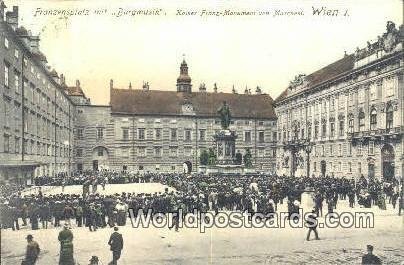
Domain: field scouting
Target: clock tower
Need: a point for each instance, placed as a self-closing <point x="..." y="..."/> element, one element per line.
<point x="184" y="81"/>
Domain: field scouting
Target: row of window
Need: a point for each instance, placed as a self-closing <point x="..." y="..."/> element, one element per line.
<point x="157" y="134"/>
<point x="361" y="123"/>
<point x="32" y="147"/>
<point x="337" y="149"/>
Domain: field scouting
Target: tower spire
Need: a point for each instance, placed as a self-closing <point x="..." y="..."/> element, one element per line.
<point x="184" y="81"/>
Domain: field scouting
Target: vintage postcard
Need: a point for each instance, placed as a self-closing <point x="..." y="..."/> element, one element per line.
<point x="201" y="132"/>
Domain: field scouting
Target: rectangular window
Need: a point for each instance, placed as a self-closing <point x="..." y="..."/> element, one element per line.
<point x="341" y="128"/>
<point x="141" y="151"/>
<point x="188" y="151"/>
<point x="274" y="137"/>
<point x="79" y="133"/>
<point x="125" y="133"/>
<point x="340" y="149"/>
<point x="157" y="133"/>
<point x="349" y="149"/>
<point x="371" y="148"/>
<point x="173" y="134"/>
<point x="350" y="167"/>
<point x="140" y="134"/>
<point x="79" y="152"/>
<point x="173" y="151"/>
<point x="359" y="149"/>
<point x="17" y="145"/>
<point x="6" y="143"/>
<point x="247" y="136"/>
<point x="16" y="81"/>
<point x="261" y="136"/>
<point x="157" y="151"/>
<point x="187" y="135"/>
<point x="332" y="129"/>
<point x="202" y="134"/>
<point x="6" y="75"/>
<point x="100" y="133"/>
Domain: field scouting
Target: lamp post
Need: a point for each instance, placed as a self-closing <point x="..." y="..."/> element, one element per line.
<point x="309" y="147"/>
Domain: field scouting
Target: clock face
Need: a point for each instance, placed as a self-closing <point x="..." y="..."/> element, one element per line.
<point x="187" y="108"/>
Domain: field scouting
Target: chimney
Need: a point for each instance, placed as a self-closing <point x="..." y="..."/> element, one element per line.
<point x="55" y="76"/>
<point x="2" y="7"/>
<point x="62" y="80"/>
<point x="130" y="85"/>
<point x="202" y="87"/>
<point x="111" y="84"/>
<point x="215" y="88"/>
<point x="12" y="17"/>
<point x="34" y="43"/>
<point x="234" y="90"/>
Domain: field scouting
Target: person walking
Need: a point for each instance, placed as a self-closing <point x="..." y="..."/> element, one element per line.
<point x="116" y="245"/>
<point x="311" y="223"/>
<point x="32" y="253"/>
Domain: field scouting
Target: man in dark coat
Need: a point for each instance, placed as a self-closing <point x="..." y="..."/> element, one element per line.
<point x="370" y="258"/>
<point x="116" y="243"/>
<point x="31" y="255"/>
<point x="311" y="223"/>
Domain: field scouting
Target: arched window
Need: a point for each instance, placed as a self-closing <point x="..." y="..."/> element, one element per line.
<point x="361" y="121"/>
<point x="389" y="116"/>
<point x="351" y="123"/>
<point x="373" y="119"/>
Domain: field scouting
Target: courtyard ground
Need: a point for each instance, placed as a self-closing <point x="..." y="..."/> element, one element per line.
<point x="223" y="245"/>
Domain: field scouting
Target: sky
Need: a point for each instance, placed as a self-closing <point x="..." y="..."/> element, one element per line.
<point x="244" y="51"/>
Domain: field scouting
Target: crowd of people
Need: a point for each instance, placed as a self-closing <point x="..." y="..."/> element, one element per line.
<point x="252" y="193"/>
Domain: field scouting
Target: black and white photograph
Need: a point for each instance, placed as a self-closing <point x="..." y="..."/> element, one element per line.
<point x="198" y="132"/>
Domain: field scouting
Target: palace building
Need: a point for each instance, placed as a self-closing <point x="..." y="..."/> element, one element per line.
<point x="36" y="114"/>
<point x="346" y="119"/>
<point x="146" y="130"/>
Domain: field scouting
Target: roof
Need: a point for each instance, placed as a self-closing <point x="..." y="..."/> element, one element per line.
<point x="158" y="102"/>
<point x="324" y="74"/>
<point x="74" y="91"/>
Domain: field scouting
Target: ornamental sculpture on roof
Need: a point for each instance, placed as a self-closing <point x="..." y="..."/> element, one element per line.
<point x="225" y="116"/>
<point x="298" y="81"/>
<point x="387" y="42"/>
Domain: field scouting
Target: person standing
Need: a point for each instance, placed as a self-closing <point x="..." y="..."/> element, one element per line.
<point x="311" y="223"/>
<point x="369" y="258"/>
<point x="32" y="253"/>
<point x="66" y="246"/>
<point x="116" y="245"/>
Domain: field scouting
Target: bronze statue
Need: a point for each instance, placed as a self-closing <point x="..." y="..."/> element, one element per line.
<point x="225" y="115"/>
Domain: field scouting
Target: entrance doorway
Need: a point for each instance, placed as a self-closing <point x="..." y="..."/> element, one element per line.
<point x="323" y="168"/>
<point x="388" y="162"/>
<point x="187" y="167"/>
<point x="95" y="165"/>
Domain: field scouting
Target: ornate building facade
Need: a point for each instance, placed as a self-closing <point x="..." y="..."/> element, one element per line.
<point x="145" y="130"/>
<point x="36" y="114"/>
<point x="346" y="119"/>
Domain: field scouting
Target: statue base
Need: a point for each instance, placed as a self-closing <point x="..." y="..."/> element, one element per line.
<point x="226" y="170"/>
